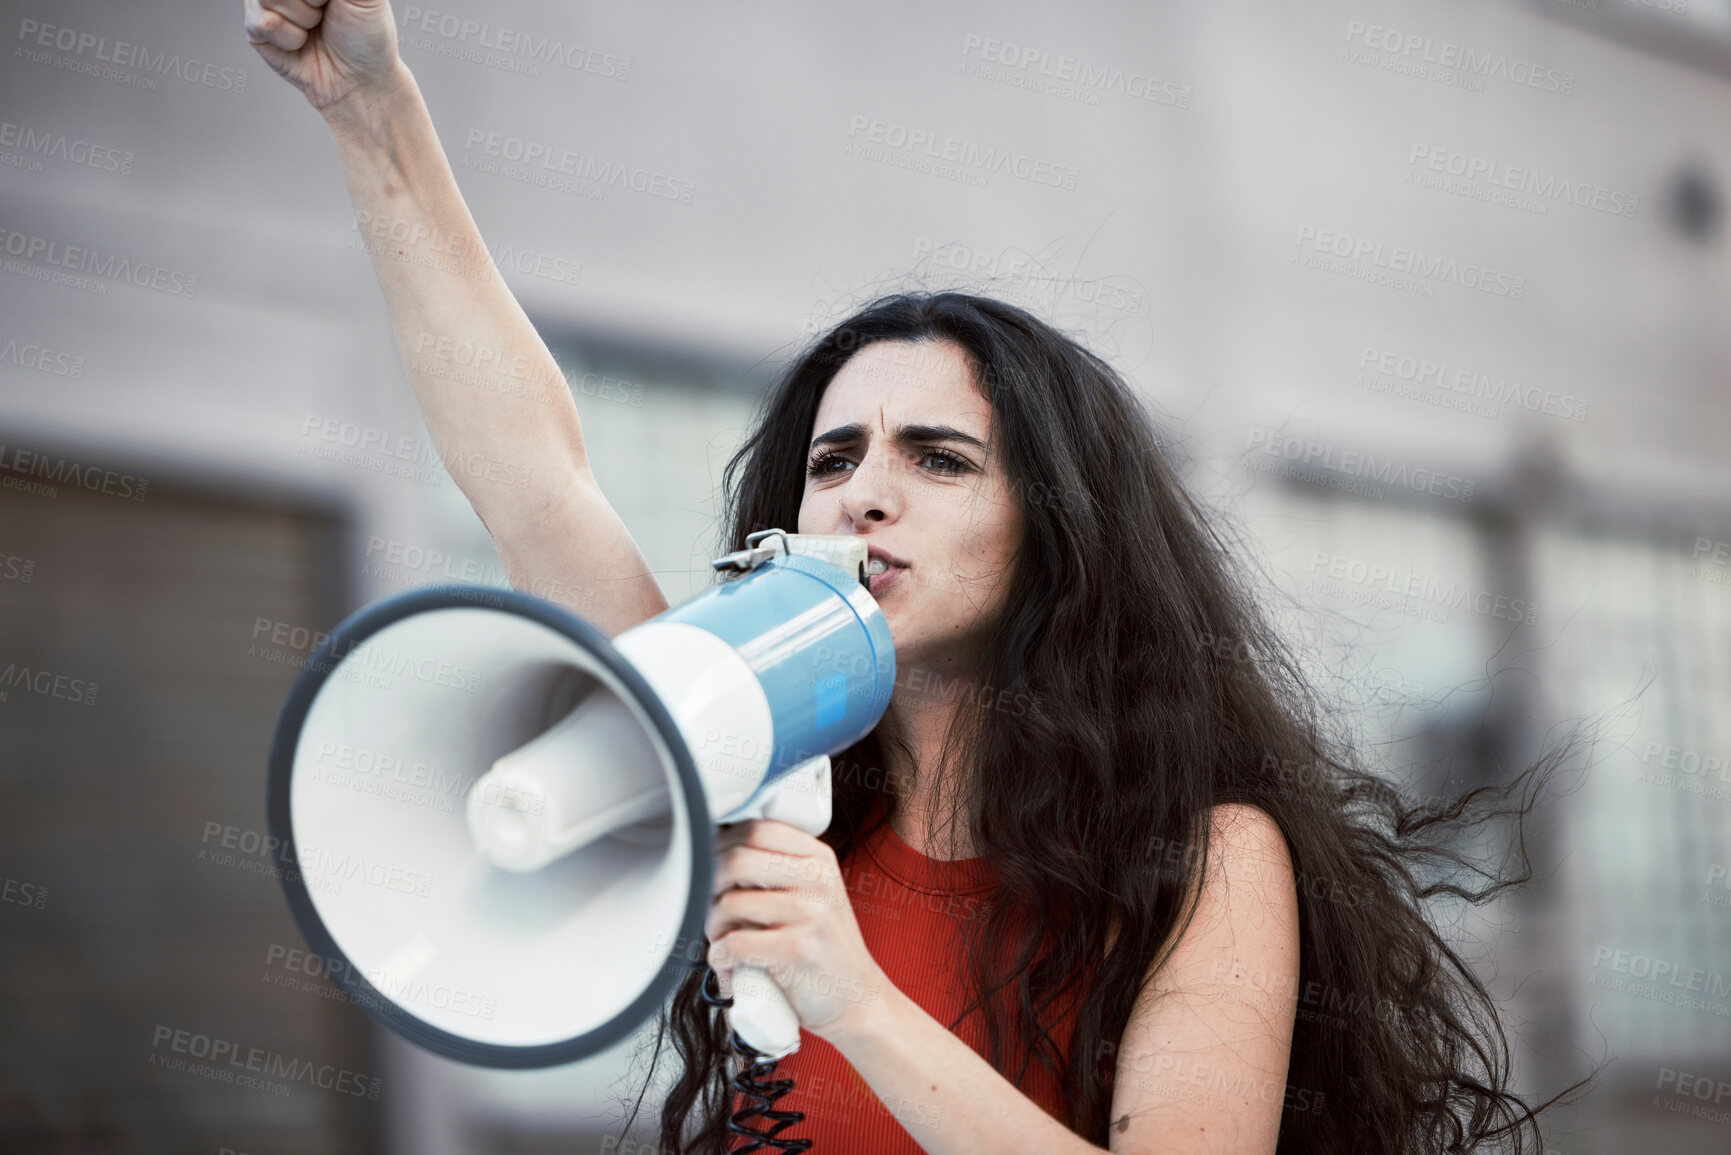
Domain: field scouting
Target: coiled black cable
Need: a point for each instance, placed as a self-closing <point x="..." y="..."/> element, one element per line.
<point x="755" y="1084"/>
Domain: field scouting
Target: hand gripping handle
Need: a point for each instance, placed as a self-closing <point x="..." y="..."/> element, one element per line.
<point x="761" y="1014"/>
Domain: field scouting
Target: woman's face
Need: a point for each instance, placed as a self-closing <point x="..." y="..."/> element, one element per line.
<point x="902" y="456"/>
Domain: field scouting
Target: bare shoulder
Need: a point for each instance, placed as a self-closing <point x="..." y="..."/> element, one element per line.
<point x="1248" y="856"/>
<point x="1244" y="830"/>
<point x="1247" y="899"/>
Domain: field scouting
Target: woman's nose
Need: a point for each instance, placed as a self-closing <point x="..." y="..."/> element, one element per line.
<point x="872" y="492"/>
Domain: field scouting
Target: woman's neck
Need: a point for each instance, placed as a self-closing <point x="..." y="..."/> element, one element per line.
<point x="910" y="825"/>
<point x="917" y="722"/>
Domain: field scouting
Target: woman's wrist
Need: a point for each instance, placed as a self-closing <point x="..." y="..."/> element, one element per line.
<point x="872" y="1021"/>
<point x="365" y="110"/>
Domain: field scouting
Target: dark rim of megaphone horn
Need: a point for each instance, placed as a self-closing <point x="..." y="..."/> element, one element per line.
<point x="343" y="640"/>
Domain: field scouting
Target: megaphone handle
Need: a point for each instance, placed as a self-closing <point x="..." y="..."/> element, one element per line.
<point x="757" y="1085"/>
<point x="761" y="1014"/>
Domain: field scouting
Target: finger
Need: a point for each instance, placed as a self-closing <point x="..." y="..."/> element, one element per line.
<point x="772" y="870"/>
<point x="263" y="27"/>
<point x="746" y="948"/>
<point x="253" y="19"/>
<point x="751" y="909"/>
<point x="766" y="833"/>
<point x="297" y="12"/>
<point x="720" y="920"/>
<point x="746" y="866"/>
<point x="769" y="909"/>
<point x="729" y="915"/>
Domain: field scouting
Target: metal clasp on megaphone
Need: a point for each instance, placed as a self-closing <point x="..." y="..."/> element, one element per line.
<point x="846" y="552"/>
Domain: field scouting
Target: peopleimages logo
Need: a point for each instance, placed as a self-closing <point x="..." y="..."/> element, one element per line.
<point x="1496" y="176"/>
<point x="1405" y="374"/>
<point x="1351" y="463"/>
<point x="347" y="867"/>
<point x="36" y="35"/>
<point x="47" y="684"/>
<point x="891" y="142"/>
<point x="399" y="455"/>
<point x="23" y="893"/>
<point x="362" y="661"/>
<point x="1404" y="584"/>
<point x="420" y="244"/>
<point x="1018" y="269"/>
<point x="18" y="464"/>
<point x="542" y="163"/>
<point x="41" y="359"/>
<point x="109" y="267"/>
<point x="1070" y="77"/>
<point x="1468" y="67"/>
<point x="344" y="976"/>
<point x="33" y="145"/>
<point x="229" y="1060"/>
<point x="1365" y="259"/>
<point x="468" y="37"/>
<point x="1672" y="973"/>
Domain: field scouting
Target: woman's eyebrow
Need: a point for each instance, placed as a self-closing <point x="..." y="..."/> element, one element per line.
<point x="904" y="435"/>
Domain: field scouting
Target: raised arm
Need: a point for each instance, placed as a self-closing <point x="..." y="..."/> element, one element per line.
<point x="493" y="398"/>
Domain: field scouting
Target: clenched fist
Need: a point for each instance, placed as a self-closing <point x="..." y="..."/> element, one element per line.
<point x="326" y="48"/>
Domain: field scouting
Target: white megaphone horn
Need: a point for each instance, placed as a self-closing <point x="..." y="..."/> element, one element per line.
<point x="500" y="826"/>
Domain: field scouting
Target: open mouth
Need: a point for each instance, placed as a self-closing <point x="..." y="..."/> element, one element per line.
<point x="882" y="571"/>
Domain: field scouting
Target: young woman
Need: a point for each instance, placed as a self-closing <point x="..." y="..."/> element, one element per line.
<point x="1100" y="879"/>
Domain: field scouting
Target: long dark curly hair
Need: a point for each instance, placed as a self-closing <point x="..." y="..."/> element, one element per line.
<point x="1149" y="677"/>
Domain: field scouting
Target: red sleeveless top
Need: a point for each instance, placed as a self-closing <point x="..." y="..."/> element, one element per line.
<point x="912" y="912"/>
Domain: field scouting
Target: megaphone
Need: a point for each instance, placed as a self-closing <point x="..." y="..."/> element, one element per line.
<point x="500" y="825"/>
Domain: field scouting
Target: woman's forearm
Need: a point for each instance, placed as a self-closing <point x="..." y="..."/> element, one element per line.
<point x="950" y="1099"/>
<point x="492" y="395"/>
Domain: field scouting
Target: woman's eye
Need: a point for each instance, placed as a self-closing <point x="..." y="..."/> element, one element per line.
<point x="821" y="464"/>
<point x="938" y="460"/>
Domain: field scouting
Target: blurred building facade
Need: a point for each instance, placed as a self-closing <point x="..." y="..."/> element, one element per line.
<point x="1429" y="299"/>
